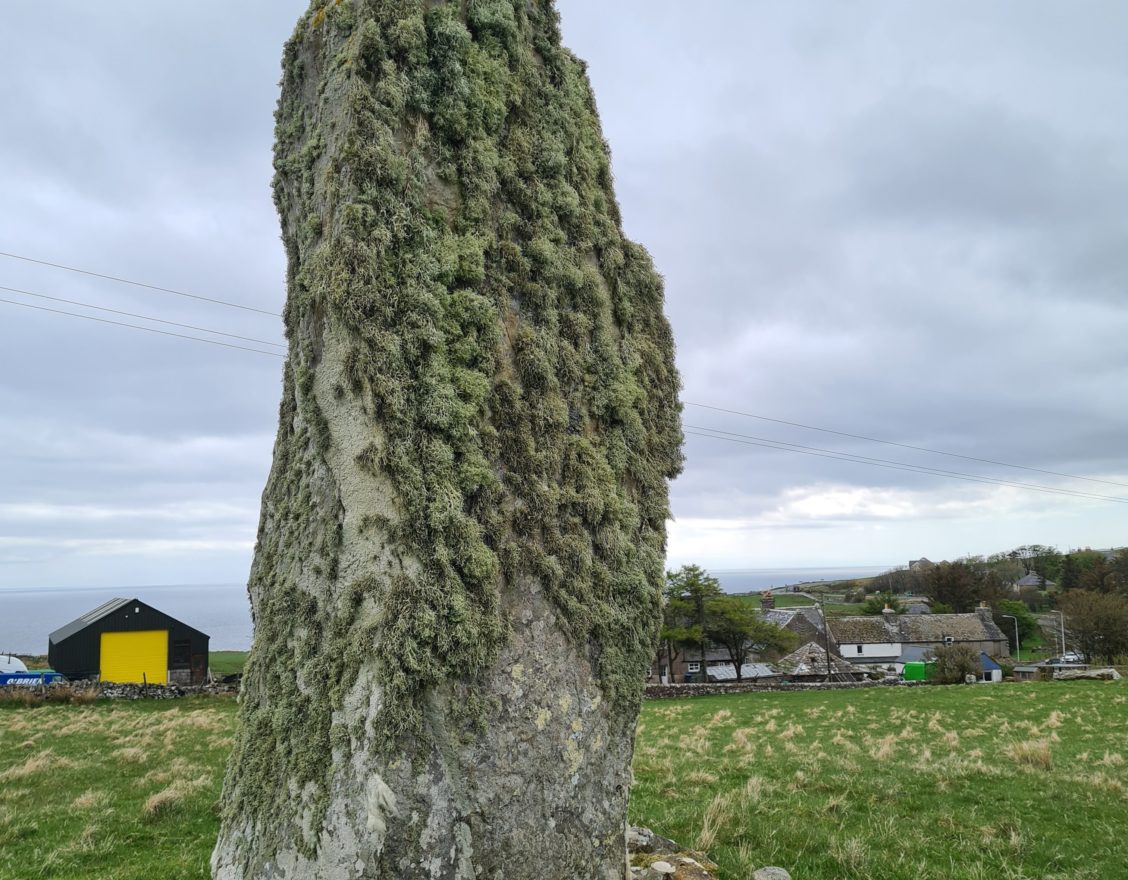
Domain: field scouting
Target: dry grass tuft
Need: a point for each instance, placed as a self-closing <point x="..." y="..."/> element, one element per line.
<point x="851" y="853"/>
<point x="164" y="801"/>
<point x="717" y="816"/>
<point x="884" y="748"/>
<point x="1031" y="753"/>
<point x="700" y="777"/>
<point x="90" y="799"/>
<point x="40" y="763"/>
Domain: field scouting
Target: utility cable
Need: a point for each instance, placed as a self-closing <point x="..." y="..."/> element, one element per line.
<point x="899" y="466"/>
<point x="903" y="445"/>
<point x="138" y="327"/>
<point x="74" y="302"/>
<point x="219" y="302"/>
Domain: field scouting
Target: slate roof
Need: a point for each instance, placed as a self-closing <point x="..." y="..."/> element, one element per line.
<point x="786" y="617"/>
<point x="1033" y="580"/>
<point x="916" y="628"/>
<point x="811" y="660"/>
<point x="915" y="653"/>
<point x="869" y="630"/>
<point x="974" y="627"/>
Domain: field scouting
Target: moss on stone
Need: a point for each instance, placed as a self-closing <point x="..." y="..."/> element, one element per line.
<point x="446" y="200"/>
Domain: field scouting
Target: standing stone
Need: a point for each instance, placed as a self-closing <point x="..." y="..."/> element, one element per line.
<point x="457" y="577"/>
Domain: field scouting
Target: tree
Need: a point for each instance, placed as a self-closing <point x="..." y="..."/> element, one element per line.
<point x="963" y="585"/>
<point x="1039" y="559"/>
<point x="1070" y="574"/>
<point x="680" y="628"/>
<point x="1120" y="570"/>
<point x="693" y="584"/>
<point x="735" y="625"/>
<point x="954" y="663"/>
<point x="1097" y="624"/>
<point x="458" y="571"/>
<point x="877" y="604"/>
<point x="1099" y="577"/>
<point x="1027" y="623"/>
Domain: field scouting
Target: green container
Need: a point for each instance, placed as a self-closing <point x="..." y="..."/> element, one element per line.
<point x="915" y="672"/>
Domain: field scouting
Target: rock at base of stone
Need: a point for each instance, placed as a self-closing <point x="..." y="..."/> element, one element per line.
<point x="771" y="873"/>
<point x="654" y="857"/>
<point x="643" y="840"/>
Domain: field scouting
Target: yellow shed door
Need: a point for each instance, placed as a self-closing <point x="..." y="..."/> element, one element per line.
<point x="135" y="656"/>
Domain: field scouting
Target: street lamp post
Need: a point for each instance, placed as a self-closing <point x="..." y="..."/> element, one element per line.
<point x="1017" y="649"/>
<point x="1061" y="617"/>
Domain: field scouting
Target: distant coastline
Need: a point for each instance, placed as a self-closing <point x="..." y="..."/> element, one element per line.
<point x="29" y="615"/>
<point x="756" y="580"/>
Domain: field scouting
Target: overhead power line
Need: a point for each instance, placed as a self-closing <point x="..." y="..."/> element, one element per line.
<point x="889" y="465"/>
<point x="139" y="327"/>
<point x="169" y="290"/>
<point x="1005" y="464"/>
<point x="74" y="302"/>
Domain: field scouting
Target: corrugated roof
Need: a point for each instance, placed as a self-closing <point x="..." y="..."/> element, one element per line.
<point x="65" y="632"/>
<point x="726" y="672"/>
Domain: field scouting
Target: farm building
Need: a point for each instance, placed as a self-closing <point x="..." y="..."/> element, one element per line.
<point x="891" y="640"/>
<point x="125" y="640"/>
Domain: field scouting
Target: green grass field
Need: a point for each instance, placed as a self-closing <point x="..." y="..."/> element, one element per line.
<point x="1004" y="782"/>
<point x="962" y="783"/>
<point x="782" y="600"/>
<point x="115" y="791"/>
<point x="227" y="662"/>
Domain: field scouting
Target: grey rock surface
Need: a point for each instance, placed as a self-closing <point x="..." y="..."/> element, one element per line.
<point x="457" y="581"/>
<point x="771" y="873"/>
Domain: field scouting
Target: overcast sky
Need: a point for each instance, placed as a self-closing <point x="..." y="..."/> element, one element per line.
<point x="903" y="221"/>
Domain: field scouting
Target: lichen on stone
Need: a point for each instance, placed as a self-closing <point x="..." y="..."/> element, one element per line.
<point x="456" y="261"/>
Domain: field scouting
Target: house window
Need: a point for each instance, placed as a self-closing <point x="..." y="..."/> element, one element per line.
<point x="859" y="649"/>
<point x="693" y="667"/>
<point x="949" y="641"/>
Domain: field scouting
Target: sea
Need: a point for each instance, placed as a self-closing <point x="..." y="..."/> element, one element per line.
<point x="28" y="616"/>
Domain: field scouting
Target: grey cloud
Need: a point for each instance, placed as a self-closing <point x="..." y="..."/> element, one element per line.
<point x="899" y="221"/>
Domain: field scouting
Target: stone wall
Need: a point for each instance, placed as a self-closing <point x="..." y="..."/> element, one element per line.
<point x="95" y="690"/>
<point x="668" y="691"/>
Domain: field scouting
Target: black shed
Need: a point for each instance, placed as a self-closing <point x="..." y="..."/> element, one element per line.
<point x="125" y="640"/>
